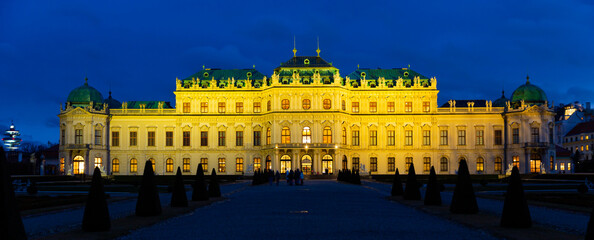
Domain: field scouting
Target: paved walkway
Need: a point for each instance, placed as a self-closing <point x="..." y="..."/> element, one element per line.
<point x="322" y="209"/>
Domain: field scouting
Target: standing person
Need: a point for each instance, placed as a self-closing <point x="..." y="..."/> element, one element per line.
<point x="297" y="177"/>
<point x="291" y="175"/>
<point x="301" y="177"/>
<point x="270" y="175"/>
<point x="277" y="177"/>
<point x="287" y="175"/>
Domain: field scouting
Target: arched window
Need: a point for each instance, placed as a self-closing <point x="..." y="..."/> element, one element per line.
<point x="115" y="165"/>
<point x="285" y="162"/>
<point x="268" y="106"/>
<point x="306" y="104"/>
<point x="407" y="162"/>
<point x="306" y="135"/>
<point x="327" y="135"/>
<point x="480" y="164"/>
<point x="268" y="162"/>
<point x="327" y="104"/>
<point x="426" y="164"/>
<point x="79" y="165"/>
<point x="169" y="165"/>
<point x="286" y="135"/>
<point x="133" y="165"/>
<point x="344" y="162"/>
<point x="443" y="164"/>
<point x="516" y="162"/>
<point x="344" y="136"/>
<point x="498" y="163"/>
<point x="327" y="164"/>
<point x="268" y="136"/>
<point x="285" y="104"/>
<point x="152" y="163"/>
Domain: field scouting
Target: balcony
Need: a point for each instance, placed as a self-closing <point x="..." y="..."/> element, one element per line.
<point x="306" y="145"/>
<point x="536" y="145"/>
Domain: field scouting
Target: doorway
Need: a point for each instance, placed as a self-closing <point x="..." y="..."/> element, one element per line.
<point x="306" y="164"/>
<point x="327" y="164"/>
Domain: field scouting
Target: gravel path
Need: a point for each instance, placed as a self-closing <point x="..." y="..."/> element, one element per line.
<point x="322" y="209"/>
<point x="41" y="225"/>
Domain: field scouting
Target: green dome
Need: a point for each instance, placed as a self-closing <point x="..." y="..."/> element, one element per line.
<point x="531" y="94"/>
<point x="500" y="102"/>
<point x="82" y="96"/>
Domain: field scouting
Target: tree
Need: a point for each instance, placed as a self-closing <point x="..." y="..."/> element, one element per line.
<point x="397" y="185"/>
<point x="199" y="192"/>
<point x="464" y="200"/>
<point x="411" y="191"/>
<point x="516" y="213"/>
<point x="214" y="190"/>
<point x="432" y="194"/>
<point x="148" y="203"/>
<point x="96" y="215"/>
<point x="11" y="226"/>
<point x="179" y="197"/>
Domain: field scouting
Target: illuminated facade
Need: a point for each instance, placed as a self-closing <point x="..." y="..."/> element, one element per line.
<point x="307" y="116"/>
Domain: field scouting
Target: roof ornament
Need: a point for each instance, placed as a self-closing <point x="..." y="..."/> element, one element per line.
<point x="527" y="79"/>
<point x="203" y="67"/>
<point x="357" y="66"/>
<point x="254" y="66"/>
<point x="502" y="93"/>
<point x="86" y="81"/>
<point x="294" y="48"/>
<point x="318" y="50"/>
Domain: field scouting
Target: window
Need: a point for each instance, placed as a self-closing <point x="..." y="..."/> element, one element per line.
<point x="551" y="133"/>
<point x="408" y="138"/>
<point x="343" y="105"/>
<point x="355" y="163"/>
<point x="344" y="136"/>
<point x="426" y="137"/>
<point x="480" y="137"/>
<point x="327" y="135"/>
<point x="78" y="165"/>
<point x="150" y="138"/>
<point x="408" y="107"/>
<point x="257" y="164"/>
<point x="426" y="106"/>
<point x="461" y="137"/>
<point x="186" y="138"/>
<point x="327" y="104"/>
<point x="97" y="137"/>
<point x="133" y="138"/>
<point x="443" y="164"/>
<point x="306" y="135"/>
<point x="516" y="161"/>
<point x="391" y="137"/>
<point x="222" y="166"/>
<point x="204" y="138"/>
<point x="306" y="104"/>
<point x="169" y="165"/>
<point x="515" y="135"/>
<point x="257" y="138"/>
<point x="443" y="137"/>
<point x="535" y="134"/>
<point x="239" y="107"/>
<point x="115" y="165"/>
<point x="268" y="162"/>
<point x="355" y="140"/>
<point x="78" y="136"/>
<point x="186" y="107"/>
<point x="372" y="137"/>
<point x="168" y="138"/>
<point x="373" y="164"/>
<point x="222" y="140"/>
<point x="152" y="163"/>
<point x="391" y="107"/>
<point x="372" y="106"/>
<point x="133" y="165"/>
<point x="239" y="165"/>
<point x="238" y="138"/>
<point x="498" y="165"/>
<point x="257" y="107"/>
<point x="115" y="139"/>
<point x="268" y="136"/>
<point x="285" y="135"/>
<point x="186" y="165"/>
<point x="63" y="137"/>
<point x="204" y="163"/>
<point x="391" y="164"/>
<point x="355" y="107"/>
<point x="268" y="106"/>
<point x="426" y="164"/>
<point x="285" y="162"/>
<point x="285" y="104"/>
<point x="407" y="162"/>
<point x="480" y="164"/>
<point x="498" y="137"/>
<point x="222" y="107"/>
<point x="98" y="162"/>
<point x="204" y="107"/>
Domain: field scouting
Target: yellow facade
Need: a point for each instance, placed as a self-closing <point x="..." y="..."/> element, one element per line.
<point x="318" y="121"/>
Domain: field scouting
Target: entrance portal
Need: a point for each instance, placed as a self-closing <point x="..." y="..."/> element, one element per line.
<point x="306" y="164"/>
<point x="79" y="165"/>
<point x="535" y="163"/>
<point x="327" y="164"/>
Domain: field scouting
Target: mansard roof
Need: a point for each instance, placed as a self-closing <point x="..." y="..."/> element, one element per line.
<point x="585" y="127"/>
<point x="299" y="62"/>
<point x="224" y="74"/>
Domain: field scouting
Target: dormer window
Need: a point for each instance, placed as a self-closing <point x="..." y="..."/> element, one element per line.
<point x="306" y="62"/>
<point x="205" y="74"/>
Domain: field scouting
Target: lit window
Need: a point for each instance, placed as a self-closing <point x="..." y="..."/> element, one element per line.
<point x="285" y="104"/>
<point x="133" y="165"/>
<point x="115" y="139"/>
<point x="98" y="162"/>
<point x="186" y="107"/>
<point x="373" y="164"/>
<point x="372" y="106"/>
<point x="152" y="163"/>
<point x="168" y="138"/>
<point x="355" y="107"/>
<point x="222" y="107"/>
<point x="268" y="136"/>
<point x="204" y="163"/>
<point x="391" y="107"/>
<point x="355" y="140"/>
<point x="407" y="162"/>
<point x="408" y="106"/>
<point x="426" y="137"/>
<point x="186" y="165"/>
<point x="268" y="162"/>
<point x="306" y="104"/>
<point x="239" y="107"/>
<point x="222" y="166"/>
<point x="285" y="162"/>
<point x="169" y="165"/>
<point x="151" y="138"/>
<point x="498" y="165"/>
<point x="257" y="164"/>
<point x="408" y="138"/>
<point x="426" y="164"/>
<point x="516" y="161"/>
<point x="327" y="104"/>
<point x="257" y="107"/>
<point x="480" y="137"/>
<point x="391" y="164"/>
<point x="480" y="164"/>
<point x="372" y="137"/>
<point x="133" y="138"/>
<point x="327" y="135"/>
<point x="239" y="165"/>
<point x="285" y="135"/>
<point x="343" y="105"/>
<point x="306" y="135"/>
<point x="79" y="165"/>
<point x="204" y="107"/>
<point x="115" y="165"/>
<point x="268" y="106"/>
<point x="426" y="106"/>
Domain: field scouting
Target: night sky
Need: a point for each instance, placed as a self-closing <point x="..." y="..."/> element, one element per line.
<point x="476" y="49"/>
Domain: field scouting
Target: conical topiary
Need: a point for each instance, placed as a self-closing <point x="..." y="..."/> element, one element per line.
<point x="432" y="195"/>
<point x="96" y="216"/>
<point x="590" y="229"/>
<point x="214" y="190"/>
<point x="179" y="197"/>
<point x="515" y="208"/>
<point x="397" y="185"/>
<point x="411" y="191"/>
<point x="463" y="200"/>
<point x="148" y="203"/>
<point x="199" y="192"/>
<point x="11" y="224"/>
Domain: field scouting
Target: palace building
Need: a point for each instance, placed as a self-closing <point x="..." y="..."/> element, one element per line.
<point x="306" y="115"/>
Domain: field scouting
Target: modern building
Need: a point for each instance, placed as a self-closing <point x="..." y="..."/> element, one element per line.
<point x="306" y="115"/>
<point x="581" y="138"/>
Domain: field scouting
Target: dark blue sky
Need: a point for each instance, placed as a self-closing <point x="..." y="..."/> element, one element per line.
<point x="474" y="48"/>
